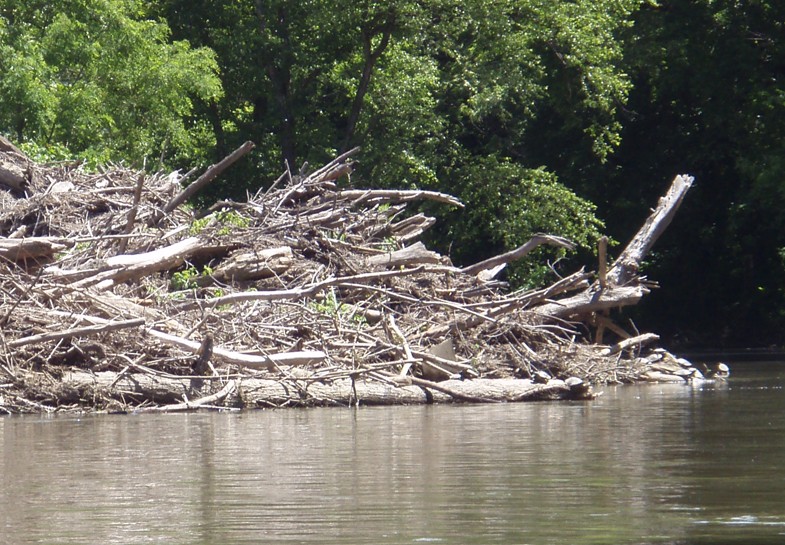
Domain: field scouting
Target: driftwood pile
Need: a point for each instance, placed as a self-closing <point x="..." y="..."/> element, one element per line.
<point x="116" y="295"/>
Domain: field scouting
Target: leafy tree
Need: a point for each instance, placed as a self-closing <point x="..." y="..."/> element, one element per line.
<point x="440" y="95"/>
<point x="100" y="79"/>
<point x="706" y="99"/>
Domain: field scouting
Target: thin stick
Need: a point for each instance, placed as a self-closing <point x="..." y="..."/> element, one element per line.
<point x="129" y="224"/>
<point x="202" y="402"/>
<point x="519" y="252"/>
<point x="77" y="332"/>
<point x="211" y="173"/>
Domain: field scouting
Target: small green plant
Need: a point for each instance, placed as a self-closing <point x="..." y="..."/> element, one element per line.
<point x="227" y="219"/>
<point x="197" y="226"/>
<point x="389" y="244"/>
<point x="330" y="306"/>
<point x="188" y="279"/>
<point x="233" y="218"/>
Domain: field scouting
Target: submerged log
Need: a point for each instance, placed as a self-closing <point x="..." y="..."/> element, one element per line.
<point x="255" y="392"/>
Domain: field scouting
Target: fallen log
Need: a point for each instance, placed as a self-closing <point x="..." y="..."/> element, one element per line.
<point x="637" y="341"/>
<point x="132" y="266"/>
<point x="21" y="249"/>
<point x="257" y="392"/>
<point x="255" y="265"/>
<point x="12" y="175"/>
<point x="76" y="332"/>
<point x="213" y="172"/>
<point x="592" y="301"/>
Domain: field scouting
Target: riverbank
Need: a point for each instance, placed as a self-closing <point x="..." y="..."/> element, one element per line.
<point x="118" y="296"/>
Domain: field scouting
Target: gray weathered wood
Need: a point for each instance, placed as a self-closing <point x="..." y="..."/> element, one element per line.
<point x="626" y="266"/>
<point x="256" y="392"/>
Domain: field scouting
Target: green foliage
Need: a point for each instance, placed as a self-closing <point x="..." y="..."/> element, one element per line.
<point x="189" y="278"/>
<point x="96" y="77"/>
<point x="199" y="225"/>
<point x="506" y="204"/>
<point x="229" y="220"/>
<point x="330" y="306"/>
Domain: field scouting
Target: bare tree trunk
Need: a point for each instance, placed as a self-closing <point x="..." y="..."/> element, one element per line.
<point x="371" y="56"/>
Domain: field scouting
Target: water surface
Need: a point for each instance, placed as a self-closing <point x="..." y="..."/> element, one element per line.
<point x="641" y="464"/>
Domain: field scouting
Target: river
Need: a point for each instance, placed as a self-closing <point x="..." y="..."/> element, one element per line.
<point x="639" y="465"/>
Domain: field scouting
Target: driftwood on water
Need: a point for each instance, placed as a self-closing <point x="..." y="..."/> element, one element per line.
<point x="117" y="297"/>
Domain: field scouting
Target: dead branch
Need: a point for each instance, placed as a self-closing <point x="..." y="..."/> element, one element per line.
<point x="626" y="266"/>
<point x="518" y="253"/>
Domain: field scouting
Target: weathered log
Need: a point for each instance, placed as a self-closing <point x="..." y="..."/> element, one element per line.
<point x="255" y="392"/>
<point x="254" y="265"/>
<point x="627" y="264"/>
<point x="76" y="332"/>
<point x="318" y="174"/>
<point x="121" y="268"/>
<point x="20" y="249"/>
<point x="223" y="355"/>
<point x="213" y="172"/>
<point x="7" y="146"/>
<point x="12" y="175"/>
<point x="592" y="301"/>
<point x="410" y="228"/>
<point x="411" y="255"/>
<point x="638" y="341"/>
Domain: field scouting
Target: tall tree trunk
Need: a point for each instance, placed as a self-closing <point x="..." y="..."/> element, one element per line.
<point x="214" y="115"/>
<point x="371" y="56"/>
<point x="278" y="68"/>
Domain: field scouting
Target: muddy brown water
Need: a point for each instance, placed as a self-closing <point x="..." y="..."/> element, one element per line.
<point x="641" y="464"/>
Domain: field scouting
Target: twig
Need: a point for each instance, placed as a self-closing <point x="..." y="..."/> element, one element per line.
<point x="129" y="224"/>
<point x="519" y="252"/>
<point x="77" y="332"/>
<point x="200" y="403"/>
<point x="211" y="173"/>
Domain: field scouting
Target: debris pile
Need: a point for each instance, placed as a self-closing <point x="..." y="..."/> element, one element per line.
<point x="118" y="296"/>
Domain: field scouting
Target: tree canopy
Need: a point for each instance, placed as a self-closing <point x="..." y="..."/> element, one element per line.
<point x="98" y="78"/>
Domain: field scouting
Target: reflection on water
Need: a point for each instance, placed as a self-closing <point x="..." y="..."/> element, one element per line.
<point x="648" y="464"/>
